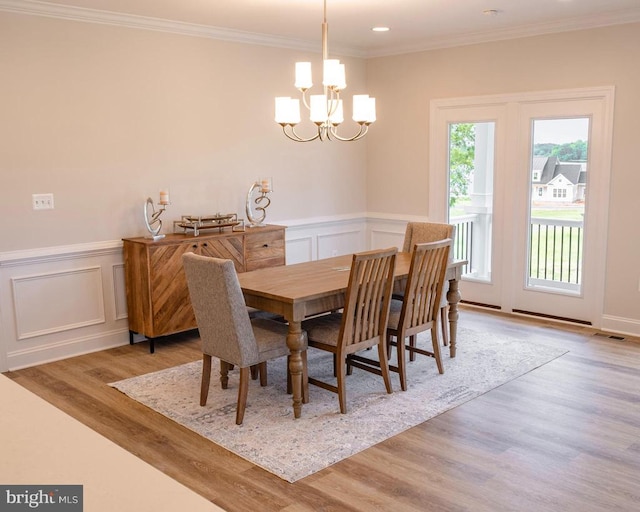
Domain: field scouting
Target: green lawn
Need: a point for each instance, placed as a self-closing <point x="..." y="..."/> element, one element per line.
<point x="552" y="249"/>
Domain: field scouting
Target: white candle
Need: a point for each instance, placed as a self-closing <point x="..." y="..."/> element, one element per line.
<point x="164" y="197"/>
<point x="265" y="186"/>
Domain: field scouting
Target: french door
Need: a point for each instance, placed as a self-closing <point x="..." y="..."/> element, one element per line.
<point x="525" y="179"/>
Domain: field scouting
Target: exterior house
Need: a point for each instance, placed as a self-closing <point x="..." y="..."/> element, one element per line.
<point x="557" y="182"/>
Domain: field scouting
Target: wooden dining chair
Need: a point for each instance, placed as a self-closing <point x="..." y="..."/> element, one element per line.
<point x="362" y="323"/>
<point x="418" y="310"/>
<point x="420" y="233"/>
<point x="226" y="330"/>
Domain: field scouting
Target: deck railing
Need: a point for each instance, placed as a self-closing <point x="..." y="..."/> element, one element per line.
<point x="555" y="257"/>
<point x="556" y="250"/>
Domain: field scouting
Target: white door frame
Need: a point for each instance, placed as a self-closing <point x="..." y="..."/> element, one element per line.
<point x="509" y="146"/>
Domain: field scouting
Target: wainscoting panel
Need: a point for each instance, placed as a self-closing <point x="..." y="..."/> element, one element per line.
<point x="300" y="249"/>
<point x="120" y="292"/>
<point x="316" y="239"/>
<point x="336" y="244"/>
<point x="381" y="239"/>
<point x="57" y="301"/>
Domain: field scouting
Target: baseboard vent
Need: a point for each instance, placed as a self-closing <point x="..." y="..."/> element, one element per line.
<point x="479" y="304"/>
<point x="610" y="336"/>
<point x="552" y="317"/>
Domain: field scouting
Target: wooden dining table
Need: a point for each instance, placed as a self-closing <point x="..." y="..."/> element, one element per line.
<point x="305" y="289"/>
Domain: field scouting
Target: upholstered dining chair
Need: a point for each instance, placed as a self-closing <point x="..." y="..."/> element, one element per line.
<point x="420" y="233"/>
<point x="418" y="310"/>
<point x="226" y="330"/>
<point x="362" y="323"/>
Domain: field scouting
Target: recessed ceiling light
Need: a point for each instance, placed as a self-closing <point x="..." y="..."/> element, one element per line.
<point x="380" y="29"/>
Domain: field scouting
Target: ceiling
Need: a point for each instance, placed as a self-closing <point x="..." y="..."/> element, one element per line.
<point x="415" y="25"/>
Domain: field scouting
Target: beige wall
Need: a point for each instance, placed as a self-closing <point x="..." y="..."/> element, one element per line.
<point x="104" y="116"/>
<point x="404" y="86"/>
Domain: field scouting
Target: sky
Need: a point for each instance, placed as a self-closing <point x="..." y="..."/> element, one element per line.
<point x="561" y="131"/>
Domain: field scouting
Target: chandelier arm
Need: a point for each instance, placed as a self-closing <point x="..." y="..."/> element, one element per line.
<point x="295" y="137"/>
<point x="305" y="100"/>
<point x="364" y="128"/>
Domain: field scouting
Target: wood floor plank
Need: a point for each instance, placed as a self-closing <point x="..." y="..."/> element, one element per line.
<point x="563" y="437"/>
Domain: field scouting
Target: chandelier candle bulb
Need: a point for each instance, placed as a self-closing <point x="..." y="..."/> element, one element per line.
<point x="342" y="80"/>
<point x="336" y="115"/>
<point x="303" y="75"/>
<point x="318" y="105"/>
<point x="331" y="73"/>
<point x="364" y="108"/>
<point x="287" y="110"/>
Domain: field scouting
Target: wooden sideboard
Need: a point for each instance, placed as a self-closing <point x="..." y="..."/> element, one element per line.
<point x="157" y="295"/>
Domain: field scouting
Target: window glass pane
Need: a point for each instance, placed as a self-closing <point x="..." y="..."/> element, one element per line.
<point x="471" y="168"/>
<point x="559" y="167"/>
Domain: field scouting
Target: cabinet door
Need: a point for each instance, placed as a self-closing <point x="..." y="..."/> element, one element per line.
<point x="228" y="248"/>
<point x="171" y="307"/>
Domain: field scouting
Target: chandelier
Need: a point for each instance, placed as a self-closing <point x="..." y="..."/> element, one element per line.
<point x="325" y="110"/>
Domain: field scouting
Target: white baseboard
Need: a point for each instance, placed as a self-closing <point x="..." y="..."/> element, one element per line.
<point x="619" y="325"/>
<point x="47" y="353"/>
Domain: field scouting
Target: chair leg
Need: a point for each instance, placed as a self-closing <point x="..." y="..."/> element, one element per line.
<point x="435" y="341"/>
<point x="445" y="326"/>
<point x="341" y="371"/>
<point x="224" y="373"/>
<point x="255" y="371"/>
<point x="305" y="379"/>
<point x="389" y="346"/>
<point x="243" y="389"/>
<point x="206" y="378"/>
<point x="262" y="367"/>
<point x="402" y="365"/>
<point x="384" y="364"/>
<point x="412" y="344"/>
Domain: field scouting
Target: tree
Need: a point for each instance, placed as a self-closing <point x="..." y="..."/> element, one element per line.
<point x="462" y="145"/>
<point x="568" y="152"/>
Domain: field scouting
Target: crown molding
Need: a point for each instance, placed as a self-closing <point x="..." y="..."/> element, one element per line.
<point x="67" y="12"/>
<point x="530" y="30"/>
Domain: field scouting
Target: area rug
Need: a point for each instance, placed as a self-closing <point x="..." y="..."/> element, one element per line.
<point x="293" y="449"/>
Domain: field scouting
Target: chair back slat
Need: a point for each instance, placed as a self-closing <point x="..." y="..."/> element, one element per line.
<point x="368" y="295"/>
<point x="424" y="285"/>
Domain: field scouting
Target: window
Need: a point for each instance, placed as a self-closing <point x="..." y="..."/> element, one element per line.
<point x="559" y="192"/>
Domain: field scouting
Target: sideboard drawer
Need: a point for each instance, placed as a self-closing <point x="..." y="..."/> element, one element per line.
<point x="264" y="249"/>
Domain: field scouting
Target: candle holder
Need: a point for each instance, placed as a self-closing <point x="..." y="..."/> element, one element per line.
<point x="256" y="208"/>
<point x="152" y="216"/>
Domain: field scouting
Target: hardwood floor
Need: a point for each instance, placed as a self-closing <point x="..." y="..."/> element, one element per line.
<point x="564" y="437"/>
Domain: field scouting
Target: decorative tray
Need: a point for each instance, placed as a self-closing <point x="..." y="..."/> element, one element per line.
<point x="218" y="221"/>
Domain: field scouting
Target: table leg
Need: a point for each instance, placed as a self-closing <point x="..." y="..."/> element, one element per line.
<point x="453" y="297"/>
<point x="295" y="342"/>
